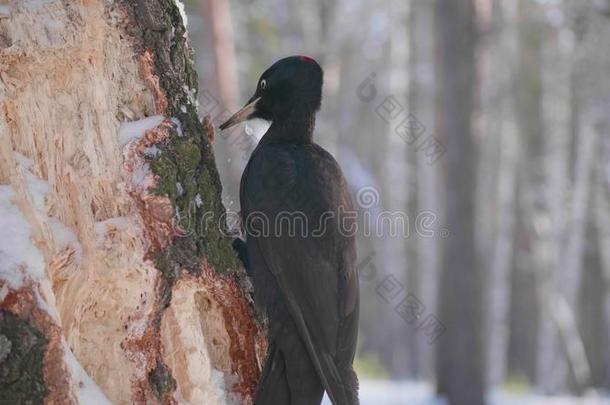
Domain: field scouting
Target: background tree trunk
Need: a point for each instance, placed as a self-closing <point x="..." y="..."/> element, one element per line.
<point x="112" y="251"/>
<point x="459" y="357"/>
<point x="426" y="191"/>
<point x="221" y="84"/>
<point x="501" y="124"/>
<point x="528" y="262"/>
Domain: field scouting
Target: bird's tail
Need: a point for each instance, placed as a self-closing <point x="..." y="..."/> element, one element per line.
<point x="331" y="376"/>
<point x="273" y="384"/>
<point x="291" y="377"/>
<point x="350" y="385"/>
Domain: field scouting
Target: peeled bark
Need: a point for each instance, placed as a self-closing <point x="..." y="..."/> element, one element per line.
<point x="112" y="251"/>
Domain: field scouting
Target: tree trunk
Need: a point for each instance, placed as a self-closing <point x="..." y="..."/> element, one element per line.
<point x="593" y="91"/>
<point x="459" y="356"/>
<point x="426" y="260"/>
<point x="601" y="376"/>
<point x="503" y="117"/>
<point x="111" y="253"/>
<point x="525" y="306"/>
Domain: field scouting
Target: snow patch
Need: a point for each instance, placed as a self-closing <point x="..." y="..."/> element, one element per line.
<point x="180" y="6"/>
<point x="498" y="396"/>
<point x="177" y="125"/>
<point x="191" y="95"/>
<point x="217" y="379"/>
<point x="152" y="151"/>
<point x="137" y="129"/>
<point x="87" y="392"/>
<point x="23" y="161"/>
<point x="63" y="236"/>
<point x="373" y="392"/>
<point x="18" y="255"/>
<point x="5" y="9"/>
<point x="233" y="397"/>
<point x="20" y="259"/>
<point x="141" y="175"/>
<point x="37" y="187"/>
<point x="37" y="190"/>
<point x="198" y="201"/>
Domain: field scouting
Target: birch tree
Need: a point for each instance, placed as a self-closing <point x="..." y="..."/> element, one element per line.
<point x="498" y="292"/>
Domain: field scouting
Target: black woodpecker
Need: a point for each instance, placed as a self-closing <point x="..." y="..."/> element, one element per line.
<point x="300" y="249"/>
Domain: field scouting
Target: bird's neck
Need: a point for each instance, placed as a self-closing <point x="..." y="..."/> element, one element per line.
<point x="296" y="128"/>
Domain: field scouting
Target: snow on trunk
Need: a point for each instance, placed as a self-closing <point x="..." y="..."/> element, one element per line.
<point x="113" y="288"/>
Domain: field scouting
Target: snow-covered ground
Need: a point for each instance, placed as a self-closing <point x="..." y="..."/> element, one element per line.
<point x="378" y="392"/>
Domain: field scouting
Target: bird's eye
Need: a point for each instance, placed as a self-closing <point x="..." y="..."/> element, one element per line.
<point x="263" y="84"/>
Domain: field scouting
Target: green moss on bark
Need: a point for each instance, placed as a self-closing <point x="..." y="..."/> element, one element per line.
<point x="185" y="167"/>
<point x="21" y="365"/>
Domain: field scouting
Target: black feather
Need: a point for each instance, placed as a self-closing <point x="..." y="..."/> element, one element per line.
<point x="306" y="282"/>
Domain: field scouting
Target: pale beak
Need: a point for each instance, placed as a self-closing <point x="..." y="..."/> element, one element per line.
<point x="241" y="115"/>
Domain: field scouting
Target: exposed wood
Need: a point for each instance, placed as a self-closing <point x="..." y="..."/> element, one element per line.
<point x="106" y="160"/>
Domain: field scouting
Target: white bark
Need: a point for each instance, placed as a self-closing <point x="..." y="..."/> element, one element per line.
<point x="573" y="256"/>
<point x="498" y="303"/>
<point x="551" y="366"/>
<point x="429" y="197"/>
<point x="602" y="217"/>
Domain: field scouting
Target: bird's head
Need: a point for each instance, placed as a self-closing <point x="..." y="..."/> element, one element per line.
<point x="291" y="87"/>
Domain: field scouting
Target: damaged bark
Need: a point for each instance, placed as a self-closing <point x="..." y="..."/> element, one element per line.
<point x="109" y="170"/>
<point x="22" y="377"/>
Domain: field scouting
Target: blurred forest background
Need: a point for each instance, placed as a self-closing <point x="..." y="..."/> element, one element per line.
<point x="487" y="123"/>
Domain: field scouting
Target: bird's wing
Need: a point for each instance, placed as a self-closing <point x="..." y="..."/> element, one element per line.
<point x="299" y="190"/>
